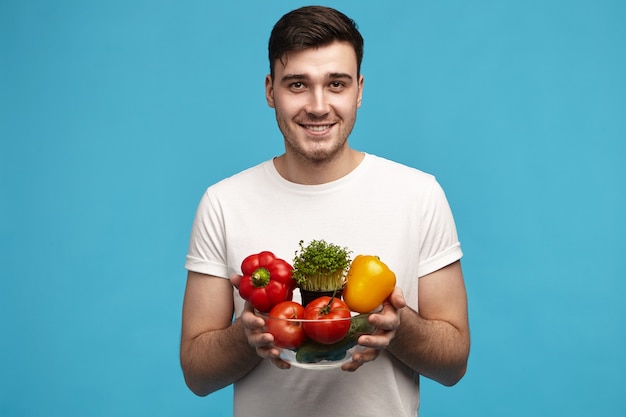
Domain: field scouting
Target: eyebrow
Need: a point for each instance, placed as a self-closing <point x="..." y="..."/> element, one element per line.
<point x="330" y="76"/>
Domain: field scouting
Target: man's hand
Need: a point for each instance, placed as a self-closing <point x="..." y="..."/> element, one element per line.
<point x="254" y="329"/>
<point x="386" y="322"/>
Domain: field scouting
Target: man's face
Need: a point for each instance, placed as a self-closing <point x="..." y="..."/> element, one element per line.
<point x="316" y="93"/>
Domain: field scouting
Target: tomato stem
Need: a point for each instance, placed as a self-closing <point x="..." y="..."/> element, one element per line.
<point x="326" y="309"/>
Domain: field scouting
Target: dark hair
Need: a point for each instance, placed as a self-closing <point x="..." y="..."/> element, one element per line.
<point x="311" y="27"/>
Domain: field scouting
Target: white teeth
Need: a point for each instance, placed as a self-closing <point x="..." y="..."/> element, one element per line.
<point x="318" y="128"/>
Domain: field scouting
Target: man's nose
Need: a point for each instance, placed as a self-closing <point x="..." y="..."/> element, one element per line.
<point x="318" y="102"/>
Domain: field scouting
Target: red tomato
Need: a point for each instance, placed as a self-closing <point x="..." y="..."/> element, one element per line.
<point x="325" y="327"/>
<point x="287" y="334"/>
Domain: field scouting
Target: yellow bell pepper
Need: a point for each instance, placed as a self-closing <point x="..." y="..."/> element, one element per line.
<point x="368" y="284"/>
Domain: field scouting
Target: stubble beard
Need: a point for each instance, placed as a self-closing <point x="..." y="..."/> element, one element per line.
<point x="319" y="154"/>
<point x="316" y="155"/>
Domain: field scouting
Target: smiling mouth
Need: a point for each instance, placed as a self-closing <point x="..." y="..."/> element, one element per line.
<point x="317" y="128"/>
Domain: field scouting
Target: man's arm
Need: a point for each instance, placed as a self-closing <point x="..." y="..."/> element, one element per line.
<point x="214" y="351"/>
<point x="435" y="342"/>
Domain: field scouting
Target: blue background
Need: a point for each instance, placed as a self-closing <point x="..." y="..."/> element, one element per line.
<point x="116" y="115"/>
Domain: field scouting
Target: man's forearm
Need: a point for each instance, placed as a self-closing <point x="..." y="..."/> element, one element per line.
<point x="216" y="359"/>
<point x="434" y="348"/>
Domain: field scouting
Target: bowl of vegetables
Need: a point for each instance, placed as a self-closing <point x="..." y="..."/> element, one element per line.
<point x="322" y="335"/>
<point x="323" y="331"/>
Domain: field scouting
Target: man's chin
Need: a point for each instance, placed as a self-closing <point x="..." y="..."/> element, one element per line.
<point x="322" y="156"/>
<point x="317" y="150"/>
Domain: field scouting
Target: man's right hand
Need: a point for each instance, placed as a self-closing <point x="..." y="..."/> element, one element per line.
<point x="254" y="329"/>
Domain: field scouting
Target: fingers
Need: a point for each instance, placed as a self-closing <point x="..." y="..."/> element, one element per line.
<point x="280" y="364"/>
<point x="386" y="321"/>
<point x="397" y="298"/>
<point x="360" y="356"/>
<point x="254" y="329"/>
<point x="369" y="347"/>
<point x="235" y="280"/>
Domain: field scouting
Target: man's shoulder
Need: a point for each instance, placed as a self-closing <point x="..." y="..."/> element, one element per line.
<point x="249" y="177"/>
<point x="388" y="167"/>
<point x="247" y="173"/>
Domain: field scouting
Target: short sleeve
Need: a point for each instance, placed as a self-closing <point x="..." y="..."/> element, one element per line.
<point x="207" y="254"/>
<point x="439" y="244"/>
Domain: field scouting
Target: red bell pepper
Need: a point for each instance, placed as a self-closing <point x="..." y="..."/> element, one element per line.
<point x="266" y="281"/>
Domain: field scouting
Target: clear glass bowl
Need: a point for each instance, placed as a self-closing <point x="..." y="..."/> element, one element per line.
<point x="314" y="355"/>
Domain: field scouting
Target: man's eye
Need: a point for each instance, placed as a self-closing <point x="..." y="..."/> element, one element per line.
<point x="297" y="85"/>
<point x="336" y="84"/>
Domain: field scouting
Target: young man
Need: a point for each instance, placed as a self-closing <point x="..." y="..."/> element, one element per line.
<point x="321" y="188"/>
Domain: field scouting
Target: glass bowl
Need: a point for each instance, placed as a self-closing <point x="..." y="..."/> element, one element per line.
<point x="301" y="344"/>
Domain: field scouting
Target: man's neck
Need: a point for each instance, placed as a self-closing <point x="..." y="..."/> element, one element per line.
<point x="299" y="171"/>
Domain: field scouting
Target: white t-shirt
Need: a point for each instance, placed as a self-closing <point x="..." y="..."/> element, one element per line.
<point x="381" y="208"/>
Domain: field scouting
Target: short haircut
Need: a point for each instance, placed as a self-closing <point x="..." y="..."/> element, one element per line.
<point x="313" y="27"/>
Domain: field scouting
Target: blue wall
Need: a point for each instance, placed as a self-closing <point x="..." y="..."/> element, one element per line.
<point x="116" y="115"/>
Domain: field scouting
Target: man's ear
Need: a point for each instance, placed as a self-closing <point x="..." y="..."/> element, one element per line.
<point x="360" y="96"/>
<point x="269" y="91"/>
